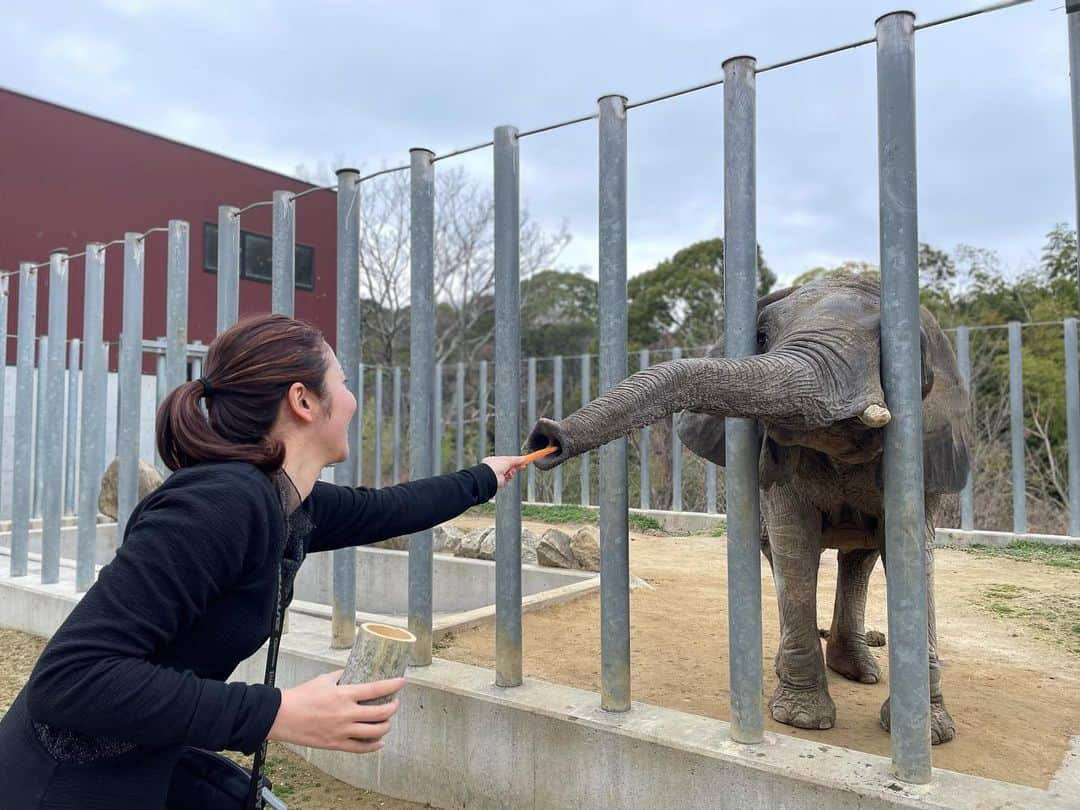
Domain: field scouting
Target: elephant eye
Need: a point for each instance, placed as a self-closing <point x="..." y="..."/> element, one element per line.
<point x="762" y="340"/>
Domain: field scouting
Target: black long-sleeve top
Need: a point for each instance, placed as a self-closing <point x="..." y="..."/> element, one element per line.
<point x="142" y="658"/>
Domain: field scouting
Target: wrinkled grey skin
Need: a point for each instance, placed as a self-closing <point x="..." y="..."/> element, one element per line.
<point x="809" y="388"/>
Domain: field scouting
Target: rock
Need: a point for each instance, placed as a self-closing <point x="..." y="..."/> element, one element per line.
<point x="393" y="544"/>
<point x="149" y="480"/>
<point x="875" y="638"/>
<point x="470" y="544"/>
<point x="487" y="545"/>
<point x="446" y="539"/>
<point x="529" y="542"/>
<point x="554" y="550"/>
<point x="586" y="549"/>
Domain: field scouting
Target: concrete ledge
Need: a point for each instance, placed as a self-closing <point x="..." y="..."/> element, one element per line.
<point x="960" y="538"/>
<point x="673" y="522"/>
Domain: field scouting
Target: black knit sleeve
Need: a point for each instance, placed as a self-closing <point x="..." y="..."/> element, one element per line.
<point x="348" y="516"/>
<point x="186" y="547"/>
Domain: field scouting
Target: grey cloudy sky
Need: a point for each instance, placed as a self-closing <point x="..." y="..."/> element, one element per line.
<point x="280" y="84"/>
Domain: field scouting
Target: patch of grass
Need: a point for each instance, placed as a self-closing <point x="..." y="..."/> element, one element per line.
<point x="569" y="513"/>
<point x="1027" y="551"/>
<point x="645" y="523"/>
<point x="720" y="530"/>
<point x="1049" y="616"/>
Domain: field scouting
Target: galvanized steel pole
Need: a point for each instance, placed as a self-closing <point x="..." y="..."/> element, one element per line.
<point x="676" y="454"/>
<point x="228" y="267"/>
<point x="129" y="382"/>
<point x="507" y="407"/>
<point x="160" y="389"/>
<point x="343" y="612"/>
<point x="4" y="300"/>
<point x="22" y="483"/>
<point x="710" y="487"/>
<point x="176" y="306"/>
<point x="92" y="416"/>
<point x="72" y="425"/>
<point x="557" y="408"/>
<point x="1072" y="15"/>
<point x="643" y="456"/>
<point x="459" y="409"/>
<point x="741" y="441"/>
<point x="396" y="419"/>
<point x="421" y="386"/>
<point x="586" y="397"/>
<point x="963" y="360"/>
<point x="905" y="528"/>
<point x="52" y="498"/>
<point x="482" y="415"/>
<point x="358" y="453"/>
<point x="530" y="406"/>
<point x="39" y="421"/>
<point x="1016" y="427"/>
<point x="614" y="494"/>
<point x="1072" y="422"/>
<point x="376" y="478"/>
<point x="283" y="254"/>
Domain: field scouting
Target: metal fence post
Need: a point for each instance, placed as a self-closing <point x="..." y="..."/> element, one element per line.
<point x="614" y="496"/>
<point x="507" y="407"/>
<point x="557" y="408"/>
<point x="482" y="414"/>
<point x="421" y="385"/>
<point x="283" y="253"/>
<point x="4" y="301"/>
<point x="1016" y="427"/>
<point x="459" y="408"/>
<point x="1072" y="420"/>
<point x="741" y="445"/>
<point x="676" y="455"/>
<point x="963" y="360"/>
<point x="437" y="421"/>
<point x="129" y="382"/>
<point x="710" y="487"/>
<point x="358" y="391"/>
<point x="376" y="479"/>
<point x="586" y="397"/>
<point x="905" y="529"/>
<point x="176" y="306"/>
<point x="91" y="417"/>
<point x="228" y="267"/>
<point x="22" y="484"/>
<point x="643" y="456"/>
<point x="160" y="389"/>
<point x="71" y="423"/>
<point x="52" y="498"/>
<point x="347" y="339"/>
<point x="530" y="406"/>
<point x="1072" y="15"/>
<point x="396" y="419"/>
<point x="39" y="420"/>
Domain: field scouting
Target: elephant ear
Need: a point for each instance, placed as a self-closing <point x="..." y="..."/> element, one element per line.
<point x="703" y="433"/>
<point x="946" y="420"/>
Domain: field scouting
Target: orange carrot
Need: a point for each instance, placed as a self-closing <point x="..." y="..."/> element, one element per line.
<point x="538" y="454"/>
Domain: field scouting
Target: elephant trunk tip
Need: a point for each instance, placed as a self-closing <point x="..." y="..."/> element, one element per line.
<point x="548" y="433"/>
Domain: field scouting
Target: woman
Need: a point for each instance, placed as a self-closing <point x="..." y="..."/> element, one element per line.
<point x="137" y="670"/>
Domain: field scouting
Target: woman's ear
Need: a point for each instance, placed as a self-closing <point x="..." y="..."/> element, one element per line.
<point x="299" y="402"/>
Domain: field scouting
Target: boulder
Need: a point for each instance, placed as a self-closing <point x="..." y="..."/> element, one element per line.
<point x="470" y="544"/>
<point x="554" y="550"/>
<point x="529" y="542"/>
<point x="487" y="545"/>
<point x="446" y="539"/>
<point x="394" y="544"/>
<point x="585" y="546"/>
<point x="149" y="480"/>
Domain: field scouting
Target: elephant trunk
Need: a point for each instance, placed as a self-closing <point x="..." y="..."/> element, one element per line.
<point x="773" y="387"/>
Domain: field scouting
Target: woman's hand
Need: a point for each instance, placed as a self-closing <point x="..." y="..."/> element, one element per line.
<point x="322" y="714"/>
<point x="504" y="467"/>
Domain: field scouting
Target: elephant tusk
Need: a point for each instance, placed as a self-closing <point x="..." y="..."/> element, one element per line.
<point x="875" y="416"/>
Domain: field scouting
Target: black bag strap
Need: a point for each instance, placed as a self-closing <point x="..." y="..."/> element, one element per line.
<point x="254" y="800"/>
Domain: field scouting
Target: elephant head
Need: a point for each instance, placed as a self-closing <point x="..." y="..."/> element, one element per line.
<point x="815" y="382"/>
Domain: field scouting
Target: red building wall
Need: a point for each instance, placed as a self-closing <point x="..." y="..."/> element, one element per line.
<point x="67" y="178"/>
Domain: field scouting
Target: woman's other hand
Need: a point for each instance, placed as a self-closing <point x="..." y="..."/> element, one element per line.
<point x="321" y="714"/>
<point x="504" y="467"/>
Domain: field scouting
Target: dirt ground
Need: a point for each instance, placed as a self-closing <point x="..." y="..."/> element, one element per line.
<point x="1011" y="678"/>
<point x="300" y="785"/>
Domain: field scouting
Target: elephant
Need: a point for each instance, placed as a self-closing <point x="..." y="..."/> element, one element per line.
<point x="814" y="390"/>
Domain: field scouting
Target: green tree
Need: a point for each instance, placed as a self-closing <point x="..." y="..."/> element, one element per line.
<point x="559" y="314"/>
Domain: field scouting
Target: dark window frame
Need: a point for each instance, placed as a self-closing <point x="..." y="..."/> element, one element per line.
<point x="210" y="257"/>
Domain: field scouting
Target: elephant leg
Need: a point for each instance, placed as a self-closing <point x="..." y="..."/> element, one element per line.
<point x="802" y="696"/>
<point x="846" y="651"/>
<point x="942" y="727"/>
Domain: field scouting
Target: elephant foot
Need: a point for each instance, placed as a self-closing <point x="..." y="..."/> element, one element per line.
<point x="852" y="659"/>
<point x="803" y="708"/>
<point x="942" y="727"/>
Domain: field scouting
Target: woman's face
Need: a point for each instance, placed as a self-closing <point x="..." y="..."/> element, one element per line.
<point x="339" y="406"/>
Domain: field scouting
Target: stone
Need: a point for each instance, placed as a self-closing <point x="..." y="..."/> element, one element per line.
<point x="393" y="544"/>
<point x="149" y="480"/>
<point x="529" y="542"/>
<point x="554" y="550"/>
<point x="470" y="544"/>
<point x="487" y="545"/>
<point x="585" y="546"/>
<point x="446" y="539"/>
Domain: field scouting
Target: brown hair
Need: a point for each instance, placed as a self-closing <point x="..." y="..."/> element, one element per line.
<point x="249" y="370"/>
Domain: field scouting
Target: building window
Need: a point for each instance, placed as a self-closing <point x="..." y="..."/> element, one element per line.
<point x="255" y="251"/>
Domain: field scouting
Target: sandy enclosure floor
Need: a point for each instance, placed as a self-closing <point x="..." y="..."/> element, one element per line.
<point x="1012" y="688"/>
